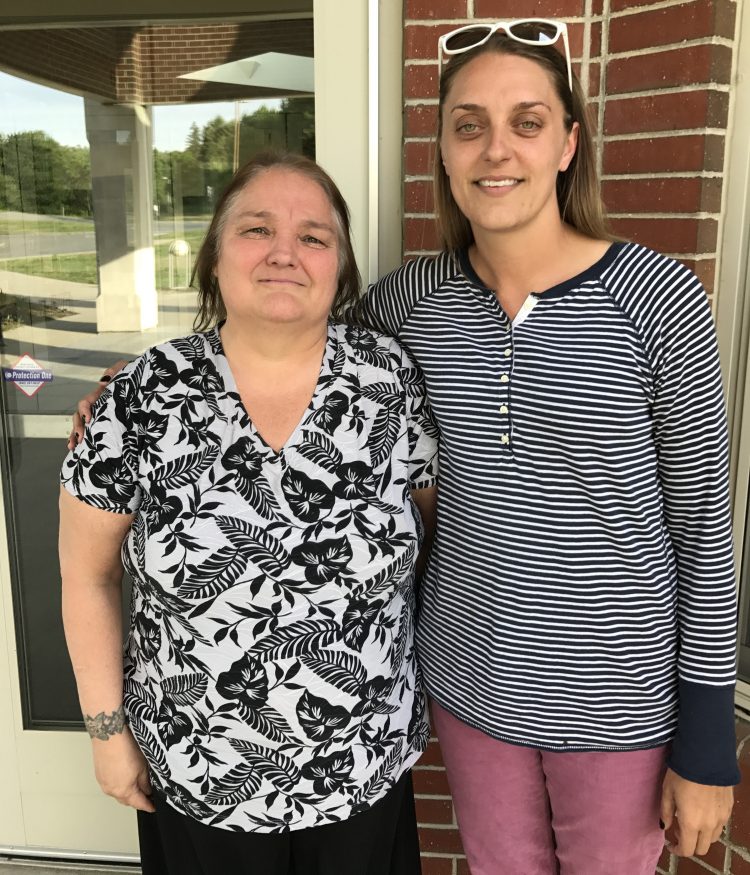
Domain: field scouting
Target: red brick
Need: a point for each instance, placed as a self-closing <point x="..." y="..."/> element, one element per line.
<point x="691" y="866"/>
<point x="420" y="235"/>
<point x="661" y="154"/>
<point x="715" y="856"/>
<point x="437" y="866"/>
<point x="431" y="810"/>
<point x="671" y="236"/>
<point x="432" y="755"/>
<point x="435" y="9"/>
<point x="658" y="27"/>
<point x="664" y="112"/>
<point x="739" y="826"/>
<point x="463" y="868"/>
<point x="441" y="841"/>
<point x="427" y="781"/>
<point x="596" y="40"/>
<point x="421" y="80"/>
<point x="530" y="9"/>
<point x="418" y="158"/>
<point x="740" y="866"/>
<point x="421" y="121"/>
<point x="683" y="66"/>
<point x="420" y="41"/>
<point x="418" y="199"/>
<point x="673" y="195"/>
<point x="705" y="270"/>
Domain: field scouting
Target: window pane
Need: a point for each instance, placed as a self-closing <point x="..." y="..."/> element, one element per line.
<point x="109" y="173"/>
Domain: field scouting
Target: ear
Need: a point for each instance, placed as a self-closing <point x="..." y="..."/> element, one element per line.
<point x="571" y="144"/>
<point x="443" y="161"/>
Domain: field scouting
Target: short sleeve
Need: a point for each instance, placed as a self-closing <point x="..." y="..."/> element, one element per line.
<point x="423" y="431"/>
<point x="102" y="470"/>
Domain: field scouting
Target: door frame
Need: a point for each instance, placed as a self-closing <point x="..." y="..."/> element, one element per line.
<point x="733" y="310"/>
<point x="358" y="113"/>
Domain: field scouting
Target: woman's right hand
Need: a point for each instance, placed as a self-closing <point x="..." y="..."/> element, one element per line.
<point x="122" y="771"/>
<point x="83" y="408"/>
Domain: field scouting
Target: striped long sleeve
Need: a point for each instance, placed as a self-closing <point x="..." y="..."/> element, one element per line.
<point x="581" y="594"/>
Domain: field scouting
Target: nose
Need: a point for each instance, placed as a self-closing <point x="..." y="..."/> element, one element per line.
<point x="497" y="144"/>
<point x="283" y="251"/>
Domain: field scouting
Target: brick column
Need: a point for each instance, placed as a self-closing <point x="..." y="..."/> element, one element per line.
<point x="665" y="115"/>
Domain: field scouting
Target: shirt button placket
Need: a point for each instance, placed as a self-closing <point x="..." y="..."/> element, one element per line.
<point x="505" y="384"/>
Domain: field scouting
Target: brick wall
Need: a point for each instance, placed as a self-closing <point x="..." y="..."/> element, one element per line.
<point x="658" y="78"/>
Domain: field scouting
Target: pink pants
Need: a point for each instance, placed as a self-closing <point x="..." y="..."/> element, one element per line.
<point x="523" y="811"/>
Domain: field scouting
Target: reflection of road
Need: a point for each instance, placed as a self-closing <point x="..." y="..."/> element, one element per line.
<point x="34" y="243"/>
<point x="46" y="243"/>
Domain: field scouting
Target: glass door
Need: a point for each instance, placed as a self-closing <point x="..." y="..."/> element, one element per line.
<point x="115" y="142"/>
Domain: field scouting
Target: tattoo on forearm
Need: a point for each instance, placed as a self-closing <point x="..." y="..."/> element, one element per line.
<point x="104" y="726"/>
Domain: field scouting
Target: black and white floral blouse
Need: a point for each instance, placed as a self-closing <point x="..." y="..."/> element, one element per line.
<point x="270" y="674"/>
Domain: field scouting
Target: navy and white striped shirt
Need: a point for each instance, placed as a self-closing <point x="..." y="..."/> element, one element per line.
<point x="581" y="593"/>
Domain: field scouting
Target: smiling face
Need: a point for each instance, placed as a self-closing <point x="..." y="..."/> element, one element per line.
<point x="503" y="142"/>
<point x="278" y="256"/>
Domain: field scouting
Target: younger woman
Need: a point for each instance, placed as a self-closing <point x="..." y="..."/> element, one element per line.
<point x="577" y="631"/>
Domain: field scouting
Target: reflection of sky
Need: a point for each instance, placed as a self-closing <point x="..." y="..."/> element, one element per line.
<point x="26" y="106"/>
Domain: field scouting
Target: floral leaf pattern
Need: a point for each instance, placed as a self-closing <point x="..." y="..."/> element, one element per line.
<point x="270" y="675"/>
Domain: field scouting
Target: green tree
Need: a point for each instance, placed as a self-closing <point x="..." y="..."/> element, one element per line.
<point x="38" y="175"/>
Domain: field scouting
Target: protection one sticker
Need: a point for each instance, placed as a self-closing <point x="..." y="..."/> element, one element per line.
<point x="27" y="375"/>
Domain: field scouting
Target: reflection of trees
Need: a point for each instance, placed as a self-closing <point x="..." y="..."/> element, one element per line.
<point x="204" y="167"/>
<point x="39" y="175"/>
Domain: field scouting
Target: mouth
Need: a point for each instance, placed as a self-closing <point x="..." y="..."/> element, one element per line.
<point x="505" y="183"/>
<point x="280" y="281"/>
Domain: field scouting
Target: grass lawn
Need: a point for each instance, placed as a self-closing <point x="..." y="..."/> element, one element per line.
<point x="81" y="268"/>
<point x="58" y="226"/>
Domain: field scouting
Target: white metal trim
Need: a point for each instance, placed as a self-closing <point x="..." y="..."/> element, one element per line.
<point x="373" y="135"/>
<point x="17" y="851"/>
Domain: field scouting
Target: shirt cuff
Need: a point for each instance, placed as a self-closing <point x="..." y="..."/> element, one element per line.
<point x="704" y="748"/>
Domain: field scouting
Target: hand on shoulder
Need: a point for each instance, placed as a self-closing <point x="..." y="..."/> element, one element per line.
<point x="82" y="414"/>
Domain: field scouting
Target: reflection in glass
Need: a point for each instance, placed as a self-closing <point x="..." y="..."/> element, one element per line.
<point x="108" y="177"/>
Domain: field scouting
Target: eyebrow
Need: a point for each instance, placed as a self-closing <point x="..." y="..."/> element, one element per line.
<point x="267" y="214"/>
<point x="477" y="107"/>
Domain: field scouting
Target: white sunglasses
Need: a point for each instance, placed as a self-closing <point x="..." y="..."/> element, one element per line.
<point x="530" y="31"/>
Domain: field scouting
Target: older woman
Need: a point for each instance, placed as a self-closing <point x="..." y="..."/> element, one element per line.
<point x="256" y="481"/>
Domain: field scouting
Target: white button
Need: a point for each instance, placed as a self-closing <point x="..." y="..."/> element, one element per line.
<point x="505" y="439"/>
<point x="503" y="408"/>
<point x="507" y="353"/>
<point x="505" y="378"/>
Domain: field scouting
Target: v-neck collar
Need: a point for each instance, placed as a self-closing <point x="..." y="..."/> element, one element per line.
<point x="244" y="418"/>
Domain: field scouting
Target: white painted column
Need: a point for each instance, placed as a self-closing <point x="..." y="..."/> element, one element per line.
<point x="120" y="137"/>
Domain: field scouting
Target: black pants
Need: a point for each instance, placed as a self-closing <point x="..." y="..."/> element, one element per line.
<point x="380" y="841"/>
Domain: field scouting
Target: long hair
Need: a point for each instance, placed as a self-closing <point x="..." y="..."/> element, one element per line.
<point x="211" y="308"/>
<point x="578" y="193"/>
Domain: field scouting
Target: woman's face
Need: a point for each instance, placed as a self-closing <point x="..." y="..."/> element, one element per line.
<point x="503" y="142"/>
<point x="278" y="252"/>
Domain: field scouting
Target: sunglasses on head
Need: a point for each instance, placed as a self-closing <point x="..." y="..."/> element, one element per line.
<point x="530" y="31"/>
